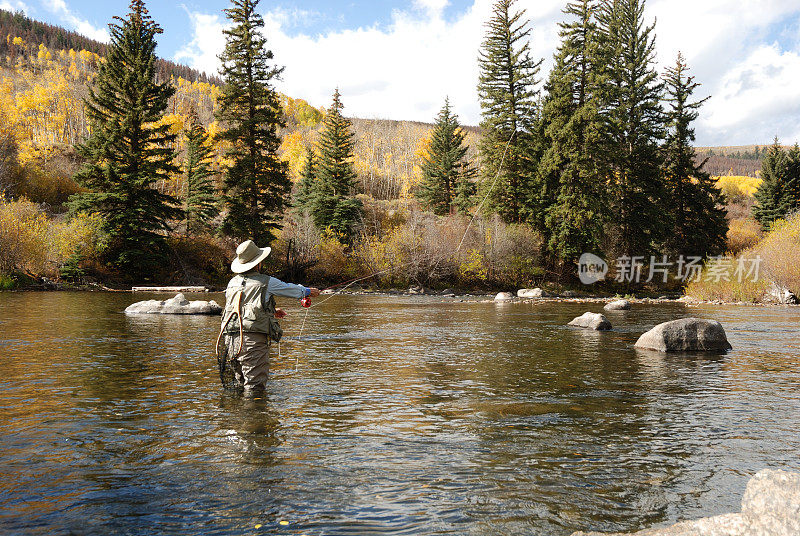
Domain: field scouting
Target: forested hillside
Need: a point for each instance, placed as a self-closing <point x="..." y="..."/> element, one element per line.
<point x="32" y="33"/>
<point x="741" y="161"/>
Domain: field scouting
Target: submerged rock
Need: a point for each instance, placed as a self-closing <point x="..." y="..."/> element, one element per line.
<point x="685" y="335"/>
<point x="618" y="305"/>
<point x="770" y="507"/>
<point x="594" y="321"/>
<point x="531" y="293"/>
<point x="503" y="296"/>
<point x="178" y="305"/>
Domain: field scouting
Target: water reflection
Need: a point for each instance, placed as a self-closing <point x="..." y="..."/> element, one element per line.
<point x="389" y="416"/>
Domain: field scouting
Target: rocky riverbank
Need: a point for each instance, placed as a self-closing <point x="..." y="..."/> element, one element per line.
<point x="528" y="296"/>
<point x="770" y="507"/>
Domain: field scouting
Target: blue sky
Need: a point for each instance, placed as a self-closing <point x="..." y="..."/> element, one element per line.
<point x="307" y="16"/>
<point x="399" y="59"/>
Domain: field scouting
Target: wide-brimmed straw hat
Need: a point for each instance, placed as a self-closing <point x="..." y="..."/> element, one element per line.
<point x="248" y="255"/>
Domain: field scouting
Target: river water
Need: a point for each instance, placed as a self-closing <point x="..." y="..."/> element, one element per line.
<point x="390" y="415"/>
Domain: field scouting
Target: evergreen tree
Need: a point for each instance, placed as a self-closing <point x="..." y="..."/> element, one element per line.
<point x="201" y="200"/>
<point x="699" y="224"/>
<point x="127" y="153"/>
<point x="334" y="204"/>
<point x="793" y="173"/>
<point x="305" y="190"/>
<point x="464" y="192"/>
<point x="572" y="162"/>
<point x="774" y="195"/>
<point x="631" y="107"/>
<point x="446" y="176"/>
<point x="256" y="184"/>
<point x="509" y="109"/>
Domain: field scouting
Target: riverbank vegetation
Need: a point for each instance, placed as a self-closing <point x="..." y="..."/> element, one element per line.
<point x="557" y="168"/>
<point x="779" y="269"/>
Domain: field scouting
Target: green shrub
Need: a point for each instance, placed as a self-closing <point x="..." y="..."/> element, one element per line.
<point x="7" y="282"/>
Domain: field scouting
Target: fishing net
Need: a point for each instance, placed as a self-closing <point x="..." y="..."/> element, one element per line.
<point x="228" y="368"/>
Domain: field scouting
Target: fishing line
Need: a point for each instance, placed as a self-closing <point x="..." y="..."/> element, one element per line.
<point x="460" y="244"/>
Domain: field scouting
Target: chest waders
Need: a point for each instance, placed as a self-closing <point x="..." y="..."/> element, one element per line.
<point x="244" y="301"/>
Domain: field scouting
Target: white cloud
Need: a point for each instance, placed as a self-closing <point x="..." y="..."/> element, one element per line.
<point x="206" y="45"/>
<point x="723" y="40"/>
<point x="401" y="71"/>
<point x="432" y="7"/>
<point x="758" y="96"/>
<point x="405" y="69"/>
<point x="14" y="5"/>
<point x="82" y="26"/>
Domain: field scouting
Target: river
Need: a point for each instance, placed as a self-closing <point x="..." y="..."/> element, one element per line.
<point x="390" y="415"/>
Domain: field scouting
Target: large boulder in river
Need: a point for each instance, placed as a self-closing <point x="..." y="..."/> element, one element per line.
<point x="686" y="335"/>
<point x="178" y="305"/>
<point x="618" y="305"/>
<point x="531" y="293"/>
<point x="503" y="297"/>
<point x="770" y="507"/>
<point x="594" y="321"/>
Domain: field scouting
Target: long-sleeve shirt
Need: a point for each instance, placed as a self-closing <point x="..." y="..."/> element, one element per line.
<point x="286" y="290"/>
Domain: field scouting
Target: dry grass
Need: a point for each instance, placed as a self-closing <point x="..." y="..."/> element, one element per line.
<point x="732" y="290"/>
<point x="405" y="245"/>
<point x="743" y="233"/>
<point x="779" y="252"/>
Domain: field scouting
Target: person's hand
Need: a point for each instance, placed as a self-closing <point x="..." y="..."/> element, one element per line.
<point x="313" y="292"/>
<point x="280" y="313"/>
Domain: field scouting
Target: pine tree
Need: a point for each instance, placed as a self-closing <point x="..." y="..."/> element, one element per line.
<point x="201" y="200"/>
<point x="699" y="224"/>
<point x="256" y="184"/>
<point x="631" y="107"/>
<point x="446" y="176"/>
<point x="509" y="109"/>
<point x="128" y="153"/>
<point x="793" y="174"/>
<point x="464" y="192"/>
<point x="334" y="205"/>
<point x="308" y="177"/>
<point x="572" y="164"/>
<point x="774" y="196"/>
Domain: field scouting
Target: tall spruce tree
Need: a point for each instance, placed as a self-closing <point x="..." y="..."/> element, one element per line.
<point x="699" y="224"/>
<point x="572" y="163"/>
<point x="464" y="192"/>
<point x="631" y="107"/>
<point x="793" y="173"/>
<point x="334" y="205"/>
<point x="201" y="204"/>
<point x="774" y="197"/>
<point x="446" y="175"/>
<point x="305" y="190"/>
<point x="509" y="109"/>
<point x="127" y="152"/>
<point x="256" y="184"/>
